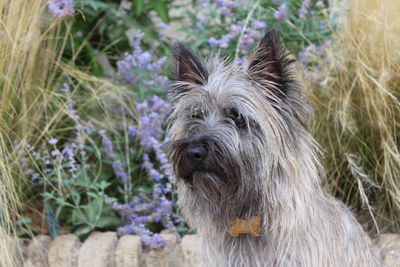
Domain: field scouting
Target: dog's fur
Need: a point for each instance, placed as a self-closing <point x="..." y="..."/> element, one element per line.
<point x="256" y="159"/>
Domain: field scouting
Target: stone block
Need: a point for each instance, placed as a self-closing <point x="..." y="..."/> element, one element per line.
<point x="98" y="250"/>
<point x="129" y="252"/>
<point x="64" y="251"/>
<point x="37" y="251"/>
<point x="168" y="256"/>
<point x="387" y="247"/>
<point x="192" y="251"/>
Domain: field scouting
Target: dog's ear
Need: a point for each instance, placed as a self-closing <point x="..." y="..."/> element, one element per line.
<point x="188" y="67"/>
<point x="269" y="65"/>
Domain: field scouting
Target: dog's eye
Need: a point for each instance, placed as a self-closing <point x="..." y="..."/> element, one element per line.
<point x="237" y="118"/>
<point x="197" y="115"/>
<point x="239" y="121"/>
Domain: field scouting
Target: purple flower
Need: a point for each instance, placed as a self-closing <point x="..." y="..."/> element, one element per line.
<point x="68" y="152"/>
<point x="200" y="25"/>
<point x="116" y="163"/>
<point x="305" y="55"/>
<point x="55" y="153"/>
<point x="160" y="28"/>
<point x="281" y="13"/>
<point x="225" y="7"/>
<point x="132" y="130"/>
<point x="303" y="10"/>
<point x="212" y="42"/>
<point x="65" y="88"/>
<point x="243" y="62"/>
<point x="119" y="170"/>
<point x="154" y="241"/>
<point x="133" y="67"/>
<point x="320" y="50"/>
<point x="61" y="8"/>
<point x="151" y="121"/>
<point x="144" y="58"/>
<point x="34" y="176"/>
<point x="258" y="25"/>
<point x="28" y="172"/>
<point x="53" y="141"/>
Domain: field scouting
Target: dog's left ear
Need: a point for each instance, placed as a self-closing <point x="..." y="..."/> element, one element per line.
<point x="269" y="65"/>
<point x="188" y="67"/>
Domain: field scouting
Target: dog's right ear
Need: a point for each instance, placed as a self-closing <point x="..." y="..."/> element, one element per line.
<point x="188" y="68"/>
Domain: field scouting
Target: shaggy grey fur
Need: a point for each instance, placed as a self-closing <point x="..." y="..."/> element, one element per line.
<point x="240" y="149"/>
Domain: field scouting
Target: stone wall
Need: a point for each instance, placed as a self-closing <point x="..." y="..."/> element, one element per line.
<point x="107" y="250"/>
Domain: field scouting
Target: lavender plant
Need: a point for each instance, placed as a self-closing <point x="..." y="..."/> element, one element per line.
<point x="143" y="70"/>
<point x="143" y="208"/>
<point x="61" y="168"/>
<point x="136" y="179"/>
<point x="134" y="189"/>
<point x="236" y="25"/>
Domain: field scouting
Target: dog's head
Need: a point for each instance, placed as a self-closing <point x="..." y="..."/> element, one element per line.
<point x="229" y="126"/>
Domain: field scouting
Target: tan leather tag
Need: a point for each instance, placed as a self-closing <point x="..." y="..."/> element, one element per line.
<point x="241" y="226"/>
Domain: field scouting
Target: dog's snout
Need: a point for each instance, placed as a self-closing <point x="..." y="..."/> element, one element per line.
<point x="196" y="153"/>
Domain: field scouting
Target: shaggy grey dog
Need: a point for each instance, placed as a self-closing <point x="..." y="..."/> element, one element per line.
<point x="240" y="149"/>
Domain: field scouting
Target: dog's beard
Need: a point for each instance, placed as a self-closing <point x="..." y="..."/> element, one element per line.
<point x="209" y="186"/>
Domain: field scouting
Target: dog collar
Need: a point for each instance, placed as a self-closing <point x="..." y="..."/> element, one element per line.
<point x="241" y="226"/>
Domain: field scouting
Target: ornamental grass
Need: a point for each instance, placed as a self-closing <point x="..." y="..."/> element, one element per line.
<point x="357" y="110"/>
<point x="32" y="70"/>
<point x="27" y="68"/>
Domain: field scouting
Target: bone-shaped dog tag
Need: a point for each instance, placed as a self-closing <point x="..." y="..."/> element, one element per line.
<point x="241" y="226"/>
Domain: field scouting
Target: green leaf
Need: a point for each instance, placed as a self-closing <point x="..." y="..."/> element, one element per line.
<point x="63" y="202"/>
<point x="111" y="199"/>
<point x="103" y="185"/>
<point x="80" y="181"/>
<point x="108" y="222"/>
<point x="75" y="195"/>
<point x="98" y="6"/>
<point x="162" y="10"/>
<point x="54" y="227"/>
<point x="139" y="4"/>
<point x="92" y="195"/>
<point x="96" y="68"/>
<point x="77" y="217"/>
<point x="47" y="196"/>
<point x="93" y="209"/>
<point x="58" y="211"/>
<point x="83" y="230"/>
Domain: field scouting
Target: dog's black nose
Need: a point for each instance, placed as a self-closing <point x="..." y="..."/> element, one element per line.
<point x="196" y="153"/>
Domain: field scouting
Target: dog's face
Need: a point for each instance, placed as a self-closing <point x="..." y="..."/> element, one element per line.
<point x="228" y="124"/>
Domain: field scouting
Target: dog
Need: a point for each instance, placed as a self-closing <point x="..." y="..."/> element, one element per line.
<point x="247" y="170"/>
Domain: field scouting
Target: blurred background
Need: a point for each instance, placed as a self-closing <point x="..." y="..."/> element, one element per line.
<point x="83" y="104"/>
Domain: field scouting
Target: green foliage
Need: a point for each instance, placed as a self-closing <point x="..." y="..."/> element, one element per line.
<point x="103" y="27"/>
<point x="79" y="201"/>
